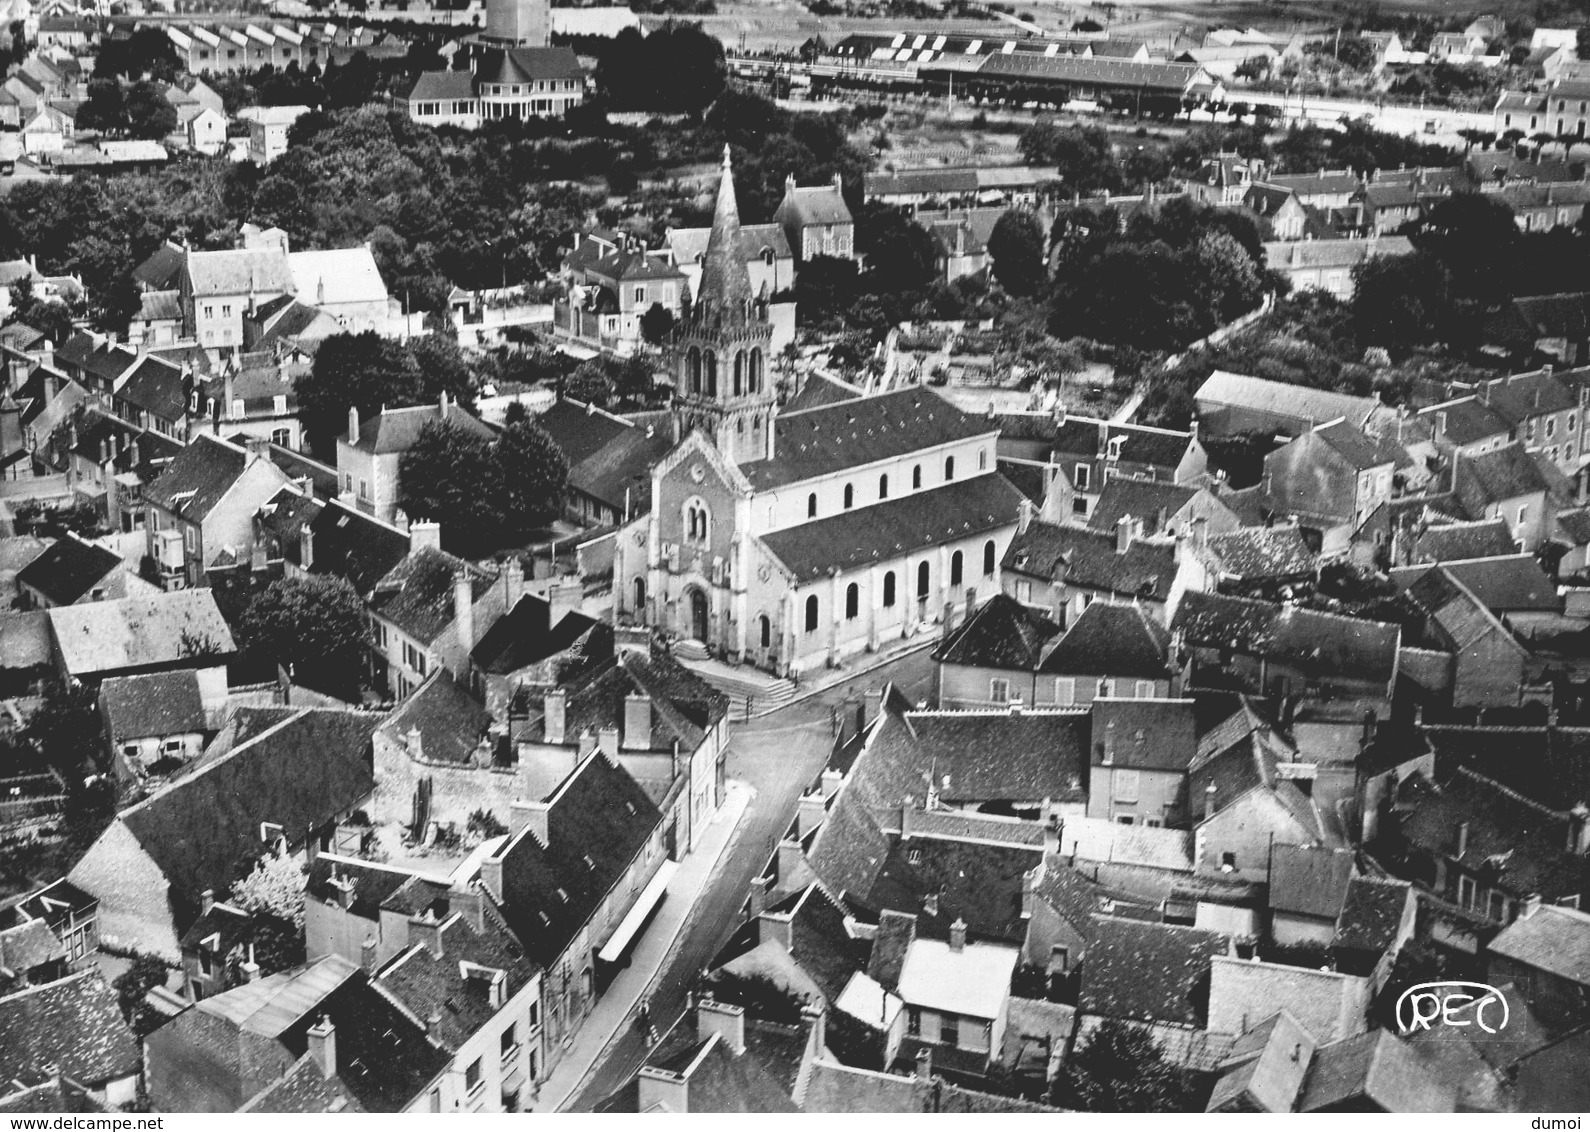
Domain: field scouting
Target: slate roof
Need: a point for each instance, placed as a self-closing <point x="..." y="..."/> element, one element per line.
<point x="1557" y="774"/>
<point x="816" y="204"/>
<point x="619" y="473"/>
<point x="1309" y="881"/>
<point x="304" y="1088"/>
<point x="132" y="632"/>
<point x="394" y="431"/>
<point x="352" y="545"/>
<point x="1481" y="539"/>
<point x="1141" y="499"/>
<point x="162" y="270"/>
<point x="1553" y="939"/>
<point x="1508" y="583"/>
<point x="1371" y="914"/>
<point x="1002" y="633"/>
<point x="1263" y="554"/>
<point x="416" y="595"/>
<point x="68" y="570"/>
<point x="760" y="1080"/>
<point x="896" y="527"/>
<point x="600" y="814"/>
<point x="689" y="245"/>
<point x="1326" y="643"/>
<point x="1294" y="401"/>
<point x="1374" y="1069"/>
<point x="197" y="480"/>
<point x="152" y="706"/>
<point x="203" y="830"/>
<point x="1110" y="639"/>
<point x="450" y="721"/>
<point x="1356" y="447"/>
<point x="75" y="1024"/>
<point x="580" y="429"/>
<point x="1520" y="396"/>
<point x="1090" y="560"/>
<point x="1173" y="78"/>
<point x="1496" y="477"/>
<point x="1138" y="444"/>
<point x="445" y="86"/>
<point x="1148" y="972"/>
<point x="819" y="391"/>
<point x="684" y="707"/>
<point x="238" y="272"/>
<point x="530" y="64"/>
<point x="1143" y="733"/>
<point x="525" y="635"/>
<point x="372" y="883"/>
<point x="1457" y="615"/>
<point x="978" y="883"/>
<point x="158" y="388"/>
<point x="1265" y="1068"/>
<point x="862" y="430"/>
<point x="337" y="275"/>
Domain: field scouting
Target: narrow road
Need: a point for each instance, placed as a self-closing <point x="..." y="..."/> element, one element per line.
<point x="779" y="754"/>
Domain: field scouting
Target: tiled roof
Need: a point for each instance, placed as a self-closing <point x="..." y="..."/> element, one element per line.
<point x="619" y="473"/>
<point x="161" y="271"/>
<point x="891" y="529"/>
<point x="1372" y="913"/>
<point x="393" y="431"/>
<point x="74" y="1025"/>
<point x="977" y="883"/>
<point x="1263" y="554"/>
<point x="1481" y="539"/>
<point x="152" y="706"/>
<point x="579" y="429"/>
<point x="1372" y="1071"/>
<point x="863" y="430"/>
<point x="353" y="546"/>
<point x="1266" y="1067"/>
<point x="304" y="1088"/>
<point x="933" y="182"/>
<point x="1143" y="500"/>
<point x="450" y="721"/>
<point x="416" y="595"/>
<point x="1326" y="643"/>
<point x="1148" y="972"/>
<point x="150" y="629"/>
<point x="1110" y="639"/>
<point x="1555" y="316"/>
<point x="1459" y="617"/>
<point x="1503" y="584"/>
<point x="1552" y="939"/>
<point x="1137" y="444"/>
<point x="372" y="883"/>
<point x="1090" y="559"/>
<point x="203" y="830"/>
<point x="1357" y="447"/>
<point x="1309" y="881"/>
<point x="201" y="475"/>
<point x="241" y="272"/>
<point x="1002" y="633"/>
<point x="1143" y="733"/>
<point x="599" y="820"/>
<point x="1295" y="401"/>
<point x="68" y="570"/>
<point x="525" y="636"/>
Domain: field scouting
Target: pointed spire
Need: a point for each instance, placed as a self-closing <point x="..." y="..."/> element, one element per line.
<point x="725" y="289"/>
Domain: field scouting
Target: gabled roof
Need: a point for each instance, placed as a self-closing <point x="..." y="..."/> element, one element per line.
<point x="1503" y="584"/>
<point x="1357" y="447"/>
<point x="1309" y="881"/>
<point x="158" y="387"/>
<point x="1481" y="539"/>
<point x="1143" y="500"/>
<point x="1110" y="639"/>
<point x="525" y="635"/>
<point x="152" y="706"/>
<point x="1295" y="401"/>
<point x="203" y="830"/>
<point x="450" y="721"/>
<point x="1143" y="733"/>
<point x="1552" y="939"/>
<point x="597" y="821"/>
<point x="1372" y="913"/>
<point x="820" y="390"/>
<point x="817" y="204"/>
<point x="162" y="270"/>
<point x="73" y="1026"/>
<point x="443" y="86"/>
<point x="978" y="883"/>
<point x="241" y="272"/>
<point x="1496" y="477"/>
<point x="394" y="431"/>
<point x="529" y="64"/>
<point x="1090" y="559"/>
<point x="1002" y="633"/>
<point x="339" y="275"/>
<point x="1459" y="616"/>
<point x="902" y="525"/>
<point x="1147" y="972"/>
<point x="352" y="545"/>
<point x="1373" y="1071"/>
<point x="417" y="595"/>
<point x="1263" y="554"/>
<point x="863" y="430"/>
<point x="972" y="981"/>
<point x="1326" y="643"/>
<point x="1137" y="444"/>
<point x="1266" y="1067"/>
<point x="133" y="632"/>
<point x="68" y="570"/>
<point x="200" y="476"/>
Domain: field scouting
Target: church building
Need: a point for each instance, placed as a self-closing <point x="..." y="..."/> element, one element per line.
<point x="792" y="539"/>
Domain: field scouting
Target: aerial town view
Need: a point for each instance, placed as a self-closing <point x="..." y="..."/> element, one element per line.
<point x="794" y="556"/>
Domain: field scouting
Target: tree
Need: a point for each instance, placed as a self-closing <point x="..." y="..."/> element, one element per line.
<point x="449" y="476"/>
<point x="146" y="51"/>
<point x="533" y="472"/>
<point x="899" y="252"/>
<point x="443" y="368"/>
<point x="148" y="114"/>
<point x="274" y="887"/>
<point x="657" y="324"/>
<point x="133" y="985"/>
<point x="105" y="109"/>
<point x="1121" y="1068"/>
<point x="1226" y="275"/>
<point x="314" y="622"/>
<point x="1016" y="247"/>
<point x="66" y="729"/>
<point x="1401" y="302"/>
<point x="1082" y="155"/>
<point x="361" y="371"/>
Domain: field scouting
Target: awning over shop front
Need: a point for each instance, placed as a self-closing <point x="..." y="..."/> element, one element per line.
<point x="619" y="942"/>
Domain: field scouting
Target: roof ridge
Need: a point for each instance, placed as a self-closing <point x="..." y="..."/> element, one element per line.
<point x="1508" y="791"/>
<point x="87" y="972"/>
<point x="221" y="761"/>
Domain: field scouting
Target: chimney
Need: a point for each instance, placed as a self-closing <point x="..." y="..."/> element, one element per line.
<point x="556" y="705"/>
<point x="958" y="935"/>
<point x="587" y="743"/>
<point x="817" y="1014"/>
<point x="1014" y="705"/>
<point x="1109" y="743"/>
<point x="1579" y="830"/>
<point x="723" y="1019"/>
<point x="427" y="929"/>
<point x="533" y="816"/>
<point x="924" y="1064"/>
<point x="1024" y="512"/>
<point x="607" y="739"/>
<point x="1440" y="424"/>
<point x="367" y="954"/>
<point x="810" y="813"/>
<point x="759" y="891"/>
<point x="464" y="612"/>
<point x="469" y="902"/>
<point x="206" y="901"/>
<point x="637" y="722"/>
<point x="971" y="604"/>
<point x="1209" y="800"/>
<point x="1200" y="527"/>
<point x="1529" y="906"/>
<point x="323" y="1046"/>
<point x="1462" y="840"/>
<point x="425" y="536"/>
<point x="353" y="424"/>
<point x="873" y="705"/>
<point x="1123" y="534"/>
<point x="512" y="582"/>
<point x="662" y="1090"/>
<point x="831" y="782"/>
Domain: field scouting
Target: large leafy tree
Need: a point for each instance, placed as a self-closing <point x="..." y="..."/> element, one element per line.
<point x="1401" y="302"/>
<point x="1083" y="157"/>
<point x="899" y="252"/>
<point x="1121" y="1068"/>
<point x="362" y="371"/>
<point x="449" y="476"/>
<point x="1016" y="247"/>
<point x="149" y="115"/>
<point x="314" y="622"/>
<point x="534" y="473"/>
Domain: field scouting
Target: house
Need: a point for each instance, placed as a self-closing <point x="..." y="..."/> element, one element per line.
<point x="521" y="83"/>
<point x="1286" y="213"/>
<point x="218" y="950"/>
<point x="133" y="635"/>
<point x="267" y="131"/>
<point x="1545" y="953"/>
<point x="73" y="1028"/>
<point x="576" y="880"/>
<point x="69" y="572"/>
<point x="1252" y="562"/>
<point x="71" y="914"/>
<point x="1112" y="649"/>
<point x="203" y="128"/>
<point x="1141" y="752"/>
<point x="765" y="248"/>
<point x="203" y="504"/>
<point x="1156" y="509"/>
<point x="1308" y="887"/>
<point x="957" y="999"/>
<point x="1467" y="426"/>
<point x="320" y="1038"/>
<point x="1327" y="265"/>
<point x="283" y="789"/>
<point x="610" y="459"/>
<point x="1063" y="570"/>
<point x="1331" y="478"/>
<point x="960" y="239"/>
<point x="525" y="648"/>
<point x="370" y="456"/>
<point x="1489" y="663"/>
<point x="217" y="288"/>
<point x="613" y="281"/>
<point x="1544" y="412"/>
<point x="1504" y="484"/>
<point x="344" y="284"/>
<point x="424" y="613"/>
<point x="1333" y="1005"/>
<point x="1323" y="189"/>
<point x="816" y="221"/>
<point x="991" y="658"/>
<point x="1086" y="454"/>
<point x="1556" y="325"/>
<point x="1230" y="403"/>
<point x="1376" y="920"/>
<point x="156" y="395"/>
<point x="1224" y="179"/>
<point x="158" y="718"/>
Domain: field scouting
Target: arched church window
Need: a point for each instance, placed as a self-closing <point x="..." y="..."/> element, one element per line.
<point x="739" y="372"/>
<point x="711" y="363"/>
<point x="693" y="364"/>
<point x="811" y="614"/>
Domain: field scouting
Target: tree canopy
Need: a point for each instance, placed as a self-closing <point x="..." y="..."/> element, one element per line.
<point x="314" y="623"/>
<point x="483" y="492"/>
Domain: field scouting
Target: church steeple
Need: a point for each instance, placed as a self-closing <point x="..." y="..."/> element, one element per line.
<point x="725" y="292"/>
<point x="723" y="344"/>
